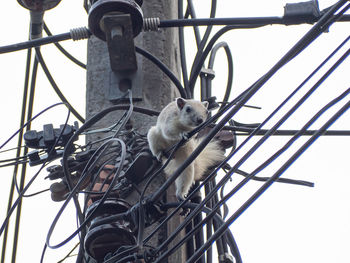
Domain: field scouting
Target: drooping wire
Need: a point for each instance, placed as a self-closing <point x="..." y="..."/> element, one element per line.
<point x="65" y="52"/>
<point x="164" y="69"/>
<point x="212" y="56"/>
<point x="54" y="85"/>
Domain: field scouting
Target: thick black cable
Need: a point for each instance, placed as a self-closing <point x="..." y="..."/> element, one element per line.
<point x="54" y="85"/>
<point x="240" y="21"/>
<point x="246" y="131"/>
<point x="164" y="69"/>
<point x="263" y="188"/>
<point x="35" y="43"/>
<point x="65" y="52"/>
<point x="313" y="33"/>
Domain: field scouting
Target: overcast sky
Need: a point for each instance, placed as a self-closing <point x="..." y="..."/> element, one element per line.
<point x="288" y="223"/>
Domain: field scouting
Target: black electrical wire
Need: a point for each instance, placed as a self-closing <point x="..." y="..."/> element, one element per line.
<point x="250" y="92"/>
<point x="203" y="43"/>
<point x="199" y="225"/>
<point x="35" y="43"/>
<point x="308" y="124"/>
<point x="199" y="60"/>
<point x="73" y="192"/>
<point x="259" y="143"/>
<point x="13" y="207"/>
<point x="183" y="61"/>
<point x="212" y="56"/>
<point x="54" y="85"/>
<point x="263" y="188"/>
<point x="241" y="21"/>
<point x="85" y="126"/>
<point x="287" y="145"/>
<point x="26" y="124"/>
<point x="190" y="11"/>
<point x="86" y="173"/>
<point x="164" y="69"/>
<point x="65" y="52"/>
<point x="24" y="165"/>
<point x="218" y="219"/>
<point x="234" y="190"/>
<point x="247" y="131"/>
<point x="19" y="144"/>
<point x="280" y="180"/>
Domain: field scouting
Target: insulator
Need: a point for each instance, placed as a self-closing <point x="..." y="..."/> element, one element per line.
<point x="151" y="24"/>
<point x="80" y="33"/>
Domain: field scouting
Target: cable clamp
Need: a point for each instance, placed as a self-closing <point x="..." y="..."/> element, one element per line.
<point x="304" y="12"/>
<point x="151" y="24"/>
<point x="226" y="258"/>
<point x="207" y="73"/>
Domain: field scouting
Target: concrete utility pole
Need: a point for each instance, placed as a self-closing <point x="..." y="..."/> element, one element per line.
<point x="155" y="88"/>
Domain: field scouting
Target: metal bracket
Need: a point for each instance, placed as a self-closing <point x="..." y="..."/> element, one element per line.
<point x="120" y="41"/>
<point x="120" y="82"/>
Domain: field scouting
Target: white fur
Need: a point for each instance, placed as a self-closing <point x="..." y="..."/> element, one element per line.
<point x="172" y="124"/>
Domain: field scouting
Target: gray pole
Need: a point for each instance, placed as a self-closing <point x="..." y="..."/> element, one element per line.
<point x="156" y="89"/>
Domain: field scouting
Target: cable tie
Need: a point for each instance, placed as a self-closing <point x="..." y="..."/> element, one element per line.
<point x="151" y="24"/>
<point x="80" y="33"/>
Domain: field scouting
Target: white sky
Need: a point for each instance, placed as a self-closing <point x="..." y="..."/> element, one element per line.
<point x="288" y="223"/>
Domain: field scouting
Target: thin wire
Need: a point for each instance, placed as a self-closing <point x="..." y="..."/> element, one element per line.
<point x="230" y="68"/>
<point x="24" y="165"/>
<point x="164" y="69"/>
<point x="65" y="52"/>
<point x="36" y="174"/>
<point x="54" y="85"/>
<point x="19" y="146"/>
<point x="25" y="125"/>
<point x="183" y="50"/>
<point x="73" y="192"/>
